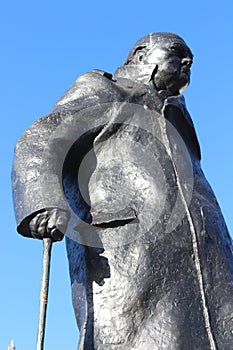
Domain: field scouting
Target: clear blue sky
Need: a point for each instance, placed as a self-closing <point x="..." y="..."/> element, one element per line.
<point x="44" y="46"/>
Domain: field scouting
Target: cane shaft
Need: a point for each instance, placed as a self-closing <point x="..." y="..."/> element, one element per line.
<point x="47" y="246"/>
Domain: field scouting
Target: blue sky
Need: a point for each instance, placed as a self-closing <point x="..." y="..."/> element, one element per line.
<point x="45" y="46"/>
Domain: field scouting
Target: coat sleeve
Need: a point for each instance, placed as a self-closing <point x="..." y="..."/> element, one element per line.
<point x="40" y="152"/>
<point x="37" y="170"/>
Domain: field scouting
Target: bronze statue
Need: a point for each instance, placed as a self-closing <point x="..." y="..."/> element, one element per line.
<point x="116" y="166"/>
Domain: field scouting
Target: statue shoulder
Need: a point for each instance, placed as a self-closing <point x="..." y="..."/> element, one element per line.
<point x="97" y="74"/>
<point x="94" y="79"/>
<point x="92" y="87"/>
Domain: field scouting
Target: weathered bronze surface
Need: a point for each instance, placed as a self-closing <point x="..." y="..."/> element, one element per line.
<point x="116" y="165"/>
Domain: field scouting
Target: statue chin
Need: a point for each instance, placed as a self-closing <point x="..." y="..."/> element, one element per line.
<point x="184" y="87"/>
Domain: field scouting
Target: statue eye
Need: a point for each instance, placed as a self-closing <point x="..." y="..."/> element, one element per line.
<point x="178" y="50"/>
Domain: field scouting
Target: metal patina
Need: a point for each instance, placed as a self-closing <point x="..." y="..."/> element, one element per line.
<point x="116" y="167"/>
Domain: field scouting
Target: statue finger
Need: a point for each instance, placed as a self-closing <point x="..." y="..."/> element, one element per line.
<point x="42" y="226"/>
<point x="51" y="221"/>
<point x="35" y="222"/>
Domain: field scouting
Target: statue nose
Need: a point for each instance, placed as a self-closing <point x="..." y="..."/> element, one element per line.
<point x="187" y="61"/>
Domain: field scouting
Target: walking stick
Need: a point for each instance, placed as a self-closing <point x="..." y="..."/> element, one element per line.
<point x="47" y="247"/>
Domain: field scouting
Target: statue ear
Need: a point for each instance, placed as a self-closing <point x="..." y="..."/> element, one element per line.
<point x="139" y="53"/>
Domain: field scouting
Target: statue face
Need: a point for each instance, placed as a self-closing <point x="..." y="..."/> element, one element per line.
<point x="173" y="60"/>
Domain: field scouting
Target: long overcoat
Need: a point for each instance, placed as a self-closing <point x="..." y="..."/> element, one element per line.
<point x="149" y="253"/>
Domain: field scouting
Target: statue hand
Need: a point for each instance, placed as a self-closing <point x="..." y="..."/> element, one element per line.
<point x="51" y="223"/>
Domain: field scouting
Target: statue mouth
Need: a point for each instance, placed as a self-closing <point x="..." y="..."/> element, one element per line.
<point x="185" y="69"/>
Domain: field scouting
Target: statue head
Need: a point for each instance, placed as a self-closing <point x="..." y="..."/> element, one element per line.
<point x="167" y="59"/>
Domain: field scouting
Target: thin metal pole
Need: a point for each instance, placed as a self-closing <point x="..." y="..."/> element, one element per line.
<point x="47" y="246"/>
